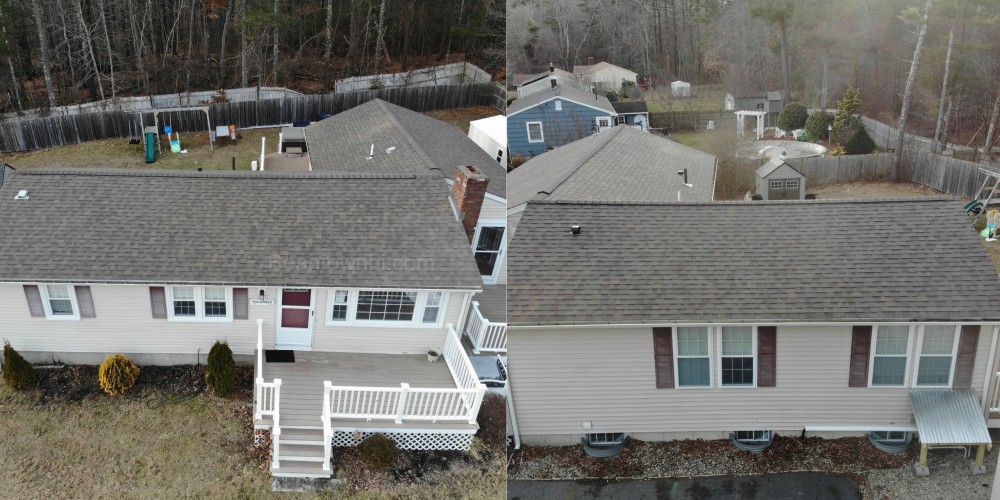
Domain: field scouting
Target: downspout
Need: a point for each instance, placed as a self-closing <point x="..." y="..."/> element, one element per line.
<point x="512" y="415"/>
<point x="462" y="316"/>
<point x="990" y="370"/>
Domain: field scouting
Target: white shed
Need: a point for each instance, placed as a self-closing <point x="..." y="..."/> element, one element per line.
<point x="491" y="135"/>
<point x="680" y="89"/>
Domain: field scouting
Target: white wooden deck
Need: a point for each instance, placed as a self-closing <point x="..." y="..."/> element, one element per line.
<point x="301" y="400"/>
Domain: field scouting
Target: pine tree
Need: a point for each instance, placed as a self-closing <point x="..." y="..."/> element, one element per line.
<point x="848" y="115"/>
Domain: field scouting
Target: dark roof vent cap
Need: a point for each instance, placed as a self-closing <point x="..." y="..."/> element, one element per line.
<point x="575" y="229"/>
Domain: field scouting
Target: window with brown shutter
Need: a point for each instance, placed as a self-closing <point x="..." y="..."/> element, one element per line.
<point x="766" y="353"/>
<point x="85" y="301"/>
<point x="34" y="297"/>
<point x="158" y="302"/>
<point x="861" y="343"/>
<point x="966" y="359"/>
<point x="663" y="356"/>
<point x="241" y="302"/>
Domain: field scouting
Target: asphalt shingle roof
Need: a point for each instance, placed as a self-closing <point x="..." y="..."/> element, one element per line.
<point x="629" y="107"/>
<point x="253" y="228"/>
<point x="422" y="145"/>
<point x="573" y="94"/>
<point x="622" y="164"/>
<point x="819" y="261"/>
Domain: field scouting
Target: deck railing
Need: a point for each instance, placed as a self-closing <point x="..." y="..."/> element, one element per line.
<point x="484" y="334"/>
<point x="405" y="404"/>
<point x="267" y="396"/>
<point x="995" y="403"/>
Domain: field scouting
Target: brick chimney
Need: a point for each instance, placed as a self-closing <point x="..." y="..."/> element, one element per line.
<point x="554" y="82"/>
<point x="469" y="190"/>
<point x="552" y="68"/>
<point x="590" y="60"/>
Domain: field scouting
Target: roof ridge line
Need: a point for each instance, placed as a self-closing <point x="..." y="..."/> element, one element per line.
<point x="616" y="130"/>
<point x="217" y="174"/>
<point x="408" y="137"/>
<point x="916" y="199"/>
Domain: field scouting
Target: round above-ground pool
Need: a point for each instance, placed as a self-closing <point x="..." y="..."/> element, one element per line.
<point x="778" y="149"/>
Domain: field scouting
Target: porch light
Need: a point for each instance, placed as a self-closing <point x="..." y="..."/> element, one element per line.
<point x="261" y="294"/>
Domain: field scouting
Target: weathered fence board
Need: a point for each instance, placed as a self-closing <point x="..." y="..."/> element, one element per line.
<point x="38" y="133"/>
<point x="448" y="74"/>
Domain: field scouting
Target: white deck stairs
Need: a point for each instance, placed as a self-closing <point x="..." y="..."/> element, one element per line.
<point x="302" y="452"/>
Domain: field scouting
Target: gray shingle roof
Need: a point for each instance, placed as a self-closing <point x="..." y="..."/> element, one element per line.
<point x="772" y="165"/>
<point x="253" y="228"/>
<point x="822" y="261"/>
<point x="629" y="107"/>
<point x="422" y="145"/>
<point x="623" y="164"/>
<point x="573" y="94"/>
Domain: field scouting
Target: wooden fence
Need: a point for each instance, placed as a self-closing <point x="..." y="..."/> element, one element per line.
<point x="821" y="170"/>
<point x="448" y="74"/>
<point x="698" y="119"/>
<point x="39" y="133"/>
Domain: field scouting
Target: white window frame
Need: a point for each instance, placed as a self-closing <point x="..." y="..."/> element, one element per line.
<point x="765" y="436"/>
<point x="501" y="253"/>
<point x="776" y="184"/>
<point x="199" y="305"/>
<point x="756" y="360"/>
<point x="353" y="294"/>
<point x="541" y="132"/>
<point x="909" y="354"/>
<point x="677" y="357"/>
<point x="888" y="436"/>
<point x="917" y="351"/>
<point x="792" y="184"/>
<point x="597" y="121"/>
<point x="44" y="289"/>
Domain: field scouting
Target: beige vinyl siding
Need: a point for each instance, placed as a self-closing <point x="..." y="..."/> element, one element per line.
<point x="382" y="340"/>
<point x="125" y="323"/>
<point x="606" y="377"/>
<point x="493" y="209"/>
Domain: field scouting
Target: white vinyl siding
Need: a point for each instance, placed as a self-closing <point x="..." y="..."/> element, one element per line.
<point x="561" y="372"/>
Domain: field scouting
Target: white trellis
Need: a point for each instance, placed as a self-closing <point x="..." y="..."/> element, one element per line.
<point x="741" y="116"/>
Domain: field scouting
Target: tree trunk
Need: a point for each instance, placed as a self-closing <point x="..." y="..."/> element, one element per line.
<point x="277" y="33"/>
<point x="354" y="37"/>
<point x="244" y="71"/>
<point x="993" y="124"/>
<point x="89" y="48"/>
<point x="107" y="42"/>
<point x="908" y="90"/>
<point x="329" y="45"/>
<point x="380" y="40"/>
<point x="786" y="69"/>
<point x="14" y="83"/>
<point x="222" y="43"/>
<point x="826" y="81"/>
<point x="944" y="128"/>
<point x="935" y="142"/>
<point x="407" y="30"/>
<point x="44" y="43"/>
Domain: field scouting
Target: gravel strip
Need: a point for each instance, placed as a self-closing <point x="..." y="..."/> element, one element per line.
<point x="880" y="475"/>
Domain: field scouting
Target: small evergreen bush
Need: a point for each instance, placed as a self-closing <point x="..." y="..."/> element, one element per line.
<point x="18" y="374"/>
<point x="379" y="451"/>
<point x="816" y="125"/>
<point x="117" y="374"/>
<point x="793" y="116"/>
<point x="860" y="143"/>
<point x="221" y="372"/>
<point x="492" y="420"/>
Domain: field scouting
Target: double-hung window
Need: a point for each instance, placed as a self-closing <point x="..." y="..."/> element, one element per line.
<point x="535" y="132"/>
<point x="889" y="356"/>
<point x="737" y="358"/>
<point x="198" y="303"/>
<point x="432" y="307"/>
<point x="693" y="359"/>
<point x="60" y="302"/>
<point x="935" y="363"/>
<point x="338" y="310"/>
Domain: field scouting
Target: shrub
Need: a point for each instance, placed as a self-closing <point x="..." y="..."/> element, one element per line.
<point x="848" y="116"/>
<point x="860" y="143"/>
<point x="379" y="451"/>
<point x="221" y="372"/>
<point x="835" y="152"/>
<point x="117" y="374"/>
<point x="17" y="372"/>
<point x="492" y="420"/>
<point x="793" y="116"/>
<point x="816" y="125"/>
<point x="979" y="223"/>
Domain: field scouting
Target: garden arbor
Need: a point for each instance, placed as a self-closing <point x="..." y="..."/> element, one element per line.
<point x="741" y="116"/>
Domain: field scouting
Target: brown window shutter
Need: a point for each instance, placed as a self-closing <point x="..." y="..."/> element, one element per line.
<point x="85" y="301"/>
<point x="34" y="301"/>
<point x="766" y="348"/>
<point x="663" y="355"/>
<point x="241" y="301"/>
<point x="966" y="359"/>
<point x="158" y="301"/>
<point x="861" y="345"/>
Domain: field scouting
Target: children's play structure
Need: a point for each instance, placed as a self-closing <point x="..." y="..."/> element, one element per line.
<point x="151" y="134"/>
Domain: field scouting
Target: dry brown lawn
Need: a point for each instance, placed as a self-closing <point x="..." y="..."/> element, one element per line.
<point x="873" y="190"/>
<point x="460" y="117"/>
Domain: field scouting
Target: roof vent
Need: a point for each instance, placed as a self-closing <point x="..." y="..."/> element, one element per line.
<point x="574" y="229"/>
<point x="390" y="150"/>
<point x="371" y="153"/>
<point x="22" y="195"/>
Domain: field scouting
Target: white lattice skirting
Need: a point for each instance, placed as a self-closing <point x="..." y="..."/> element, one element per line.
<point x="409" y="440"/>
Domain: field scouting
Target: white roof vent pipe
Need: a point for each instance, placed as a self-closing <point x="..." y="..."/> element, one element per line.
<point x="22" y="195"/>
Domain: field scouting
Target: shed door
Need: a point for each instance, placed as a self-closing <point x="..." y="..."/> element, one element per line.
<point x="783" y="189"/>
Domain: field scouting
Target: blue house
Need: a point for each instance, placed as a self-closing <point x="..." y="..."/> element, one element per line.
<point x="546" y="120"/>
<point x="632" y="113"/>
